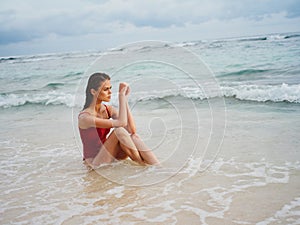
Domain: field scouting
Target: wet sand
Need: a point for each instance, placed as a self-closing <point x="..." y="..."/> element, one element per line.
<point x="253" y="179"/>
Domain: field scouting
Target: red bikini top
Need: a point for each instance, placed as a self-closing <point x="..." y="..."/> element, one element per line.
<point x="93" y="138"/>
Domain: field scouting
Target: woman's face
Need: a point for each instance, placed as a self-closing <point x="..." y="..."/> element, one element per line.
<point x="104" y="91"/>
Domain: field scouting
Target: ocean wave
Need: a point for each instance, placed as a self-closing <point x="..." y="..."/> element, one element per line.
<point x="253" y="39"/>
<point x="292" y="36"/>
<point x="10" y="58"/>
<point x="8" y="100"/>
<point x="218" y="42"/>
<point x="244" y="72"/>
<point x="257" y="93"/>
<point x="188" y="44"/>
<point x="267" y="37"/>
<point x="264" y="93"/>
<point x="73" y="74"/>
<point x="48" y="57"/>
<point x="30" y="58"/>
<point x="53" y="86"/>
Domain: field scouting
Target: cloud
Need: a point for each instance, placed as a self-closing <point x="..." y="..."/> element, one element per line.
<point x="12" y="36"/>
<point x="293" y="10"/>
<point x="75" y="17"/>
<point x="34" y="20"/>
<point x="164" y="13"/>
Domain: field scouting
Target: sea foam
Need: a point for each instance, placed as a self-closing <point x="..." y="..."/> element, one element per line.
<point x="258" y="93"/>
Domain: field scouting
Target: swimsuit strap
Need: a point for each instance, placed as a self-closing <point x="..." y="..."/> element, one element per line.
<point x="107" y="111"/>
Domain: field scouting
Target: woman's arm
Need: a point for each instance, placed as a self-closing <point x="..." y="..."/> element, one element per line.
<point x="130" y="121"/>
<point x="131" y="128"/>
<point x="87" y="120"/>
<point x="122" y="119"/>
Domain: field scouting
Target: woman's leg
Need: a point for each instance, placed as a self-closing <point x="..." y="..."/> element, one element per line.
<point x="135" y="148"/>
<point x="121" y="155"/>
<point x="147" y="155"/>
<point x="127" y="145"/>
<point x="118" y="145"/>
<point x="108" y="151"/>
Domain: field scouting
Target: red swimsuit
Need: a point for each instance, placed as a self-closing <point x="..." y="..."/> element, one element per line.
<point x="93" y="138"/>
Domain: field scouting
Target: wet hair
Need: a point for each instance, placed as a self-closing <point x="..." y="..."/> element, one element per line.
<point x="94" y="82"/>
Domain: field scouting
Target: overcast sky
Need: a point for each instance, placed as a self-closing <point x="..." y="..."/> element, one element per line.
<point x="35" y="26"/>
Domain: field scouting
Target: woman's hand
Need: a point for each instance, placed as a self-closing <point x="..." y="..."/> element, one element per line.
<point x="127" y="91"/>
<point x="123" y="88"/>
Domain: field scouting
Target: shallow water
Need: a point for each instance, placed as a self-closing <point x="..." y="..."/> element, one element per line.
<point x="253" y="179"/>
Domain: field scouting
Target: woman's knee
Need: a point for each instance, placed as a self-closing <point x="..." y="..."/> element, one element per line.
<point x="124" y="137"/>
<point x="135" y="137"/>
<point x="121" y="133"/>
<point x="120" y="129"/>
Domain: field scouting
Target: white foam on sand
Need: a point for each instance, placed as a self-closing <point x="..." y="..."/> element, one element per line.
<point x="46" y="185"/>
<point x="289" y="213"/>
<point x="116" y="191"/>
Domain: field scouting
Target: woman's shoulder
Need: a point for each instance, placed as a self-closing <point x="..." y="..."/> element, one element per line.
<point x="84" y="113"/>
<point x="112" y="110"/>
<point x="84" y="118"/>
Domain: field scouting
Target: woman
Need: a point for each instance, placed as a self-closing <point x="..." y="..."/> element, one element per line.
<point x="96" y="120"/>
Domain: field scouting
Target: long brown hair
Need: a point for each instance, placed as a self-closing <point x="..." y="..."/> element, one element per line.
<point x="94" y="82"/>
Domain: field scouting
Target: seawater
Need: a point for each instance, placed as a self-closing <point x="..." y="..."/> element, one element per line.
<point x="252" y="178"/>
